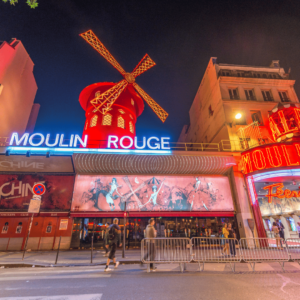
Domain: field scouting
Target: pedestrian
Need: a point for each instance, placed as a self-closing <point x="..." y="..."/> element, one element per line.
<point x="150" y="244"/>
<point x="281" y="231"/>
<point x="275" y="230"/>
<point x="298" y="228"/>
<point x="225" y="235"/>
<point x="105" y="239"/>
<point x="231" y="237"/>
<point x="114" y="237"/>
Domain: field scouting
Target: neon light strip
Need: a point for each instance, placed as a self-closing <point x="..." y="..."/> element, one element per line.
<point x="252" y="192"/>
<point x="281" y="173"/>
<point x="69" y="151"/>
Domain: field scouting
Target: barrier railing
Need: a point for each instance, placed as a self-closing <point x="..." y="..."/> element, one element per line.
<point x="166" y="250"/>
<point x="293" y="246"/>
<point x="215" y="250"/>
<point x="219" y="250"/>
<point x="263" y="249"/>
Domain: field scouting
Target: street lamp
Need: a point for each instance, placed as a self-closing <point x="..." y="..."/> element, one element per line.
<point x="238" y="116"/>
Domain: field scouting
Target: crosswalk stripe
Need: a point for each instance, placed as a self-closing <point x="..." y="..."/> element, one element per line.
<point x="60" y="297"/>
<point x="54" y="277"/>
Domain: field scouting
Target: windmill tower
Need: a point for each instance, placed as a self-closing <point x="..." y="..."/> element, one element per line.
<point x="113" y="108"/>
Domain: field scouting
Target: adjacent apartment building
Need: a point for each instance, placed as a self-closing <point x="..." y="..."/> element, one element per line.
<point x="18" y="88"/>
<point x="232" y="104"/>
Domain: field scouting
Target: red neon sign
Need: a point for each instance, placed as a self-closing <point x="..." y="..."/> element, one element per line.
<point x="279" y="192"/>
<point x="285" y="122"/>
<point x="271" y="156"/>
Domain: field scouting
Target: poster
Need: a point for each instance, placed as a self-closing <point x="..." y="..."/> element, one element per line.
<point x="5" y="228"/>
<point x="16" y="192"/>
<point x="284" y="197"/>
<point x="151" y="193"/>
<point x="63" y="224"/>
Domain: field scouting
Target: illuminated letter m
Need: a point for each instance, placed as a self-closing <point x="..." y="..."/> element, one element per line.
<point x="15" y="136"/>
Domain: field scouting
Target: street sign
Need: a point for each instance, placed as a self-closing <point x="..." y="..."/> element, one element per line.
<point x="39" y="189"/>
<point x="35" y="204"/>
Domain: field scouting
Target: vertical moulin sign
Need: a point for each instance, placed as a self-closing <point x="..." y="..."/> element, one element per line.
<point x="34" y="206"/>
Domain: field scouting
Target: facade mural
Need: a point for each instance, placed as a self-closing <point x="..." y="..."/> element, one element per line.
<point x="151" y="193"/>
<point x="277" y="198"/>
<point x="16" y="192"/>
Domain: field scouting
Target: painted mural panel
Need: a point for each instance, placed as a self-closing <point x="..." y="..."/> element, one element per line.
<point x="278" y="198"/>
<point x="148" y="193"/>
<point x="16" y="192"/>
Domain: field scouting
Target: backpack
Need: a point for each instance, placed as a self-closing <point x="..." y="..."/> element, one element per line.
<point x="112" y="233"/>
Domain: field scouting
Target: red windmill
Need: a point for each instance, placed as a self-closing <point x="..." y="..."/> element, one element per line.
<point x="112" y="108"/>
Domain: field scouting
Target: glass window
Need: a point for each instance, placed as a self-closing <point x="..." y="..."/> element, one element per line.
<point x="233" y="94"/>
<point x="94" y="121"/>
<point x="267" y="95"/>
<point x="284" y="96"/>
<point x="121" y="122"/>
<point x="291" y="223"/>
<point x="250" y="94"/>
<point x="107" y="120"/>
<point x="256" y="117"/>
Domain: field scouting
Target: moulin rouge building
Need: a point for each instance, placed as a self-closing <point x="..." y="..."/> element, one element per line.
<point x="108" y="172"/>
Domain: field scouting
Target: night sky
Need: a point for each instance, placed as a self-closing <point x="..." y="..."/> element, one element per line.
<point x="180" y="36"/>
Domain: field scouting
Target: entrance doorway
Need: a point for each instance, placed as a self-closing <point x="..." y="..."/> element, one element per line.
<point x="85" y="228"/>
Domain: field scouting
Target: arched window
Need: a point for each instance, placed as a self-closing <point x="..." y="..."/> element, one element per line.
<point x="107" y="120"/>
<point x="131" y="127"/>
<point x="97" y="94"/>
<point x="132" y="102"/>
<point x="131" y="116"/>
<point x="94" y="120"/>
<point x="122" y="111"/>
<point x="121" y="122"/>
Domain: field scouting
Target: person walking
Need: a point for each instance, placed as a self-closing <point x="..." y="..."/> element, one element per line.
<point x="150" y="244"/>
<point x="225" y="233"/>
<point x="105" y="239"/>
<point x="275" y="230"/>
<point x="231" y="237"/>
<point x="114" y="238"/>
<point x="298" y="228"/>
<point x="281" y="231"/>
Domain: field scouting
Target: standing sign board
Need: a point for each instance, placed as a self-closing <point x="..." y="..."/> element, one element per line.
<point x="35" y="203"/>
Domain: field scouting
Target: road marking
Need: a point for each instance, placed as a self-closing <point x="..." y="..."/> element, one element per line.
<point x="51" y="271"/>
<point x="13" y="278"/>
<point x="60" y="297"/>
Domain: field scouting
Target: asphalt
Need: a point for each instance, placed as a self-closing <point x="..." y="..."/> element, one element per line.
<point x="132" y="281"/>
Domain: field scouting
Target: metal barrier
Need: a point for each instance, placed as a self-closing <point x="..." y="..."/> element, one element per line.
<point x="293" y="246"/>
<point x="215" y="250"/>
<point x="166" y="250"/>
<point x="263" y="249"/>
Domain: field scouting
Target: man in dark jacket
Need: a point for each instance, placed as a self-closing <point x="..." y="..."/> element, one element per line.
<point x="150" y="244"/>
<point x="114" y="237"/>
<point x="105" y="239"/>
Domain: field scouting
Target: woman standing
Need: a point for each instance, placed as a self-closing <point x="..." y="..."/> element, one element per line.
<point x="231" y="237"/>
<point x="225" y="235"/>
<point x="275" y="230"/>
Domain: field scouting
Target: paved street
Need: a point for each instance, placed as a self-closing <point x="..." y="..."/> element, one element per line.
<point x="133" y="282"/>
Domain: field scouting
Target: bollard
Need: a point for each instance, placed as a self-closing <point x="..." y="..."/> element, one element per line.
<point x="25" y="246"/>
<point x="92" y="249"/>
<point x="57" y="250"/>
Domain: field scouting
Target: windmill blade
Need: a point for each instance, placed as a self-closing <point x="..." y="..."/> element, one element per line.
<point x="145" y="64"/>
<point x="104" y="102"/>
<point x="92" y="39"/>
<point x="161" y="113"/>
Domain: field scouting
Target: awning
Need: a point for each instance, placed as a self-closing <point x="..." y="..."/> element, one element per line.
<point x="176" y="163"/>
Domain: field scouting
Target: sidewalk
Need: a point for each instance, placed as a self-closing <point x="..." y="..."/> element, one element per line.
<point x="65" y="258"/>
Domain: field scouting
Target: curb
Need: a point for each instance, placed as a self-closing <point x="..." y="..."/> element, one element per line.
<point x="7" y="266"/>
